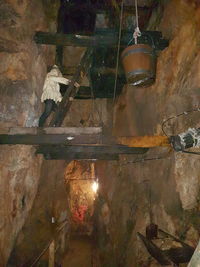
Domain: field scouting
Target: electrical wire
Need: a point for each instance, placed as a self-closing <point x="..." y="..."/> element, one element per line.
<point x="191" y="152"/>
<point x="118" y="49"/>
<point x="176" y="116"/>
<point x="143" y="160"/>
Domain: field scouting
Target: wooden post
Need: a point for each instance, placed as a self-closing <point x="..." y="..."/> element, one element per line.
<point x="59" y="55"/>
<point x="59" y="48"/>
<point x="52" y="254"/>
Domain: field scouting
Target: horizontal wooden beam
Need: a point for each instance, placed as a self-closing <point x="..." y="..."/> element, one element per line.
<point x="47" y="139"/>
<point x="85" y="92"/>
<point x="100" y="7"/>
<point x="50" y="135"/>
<point x="87" y="152"/>
<point x="103" y="37"/>
<point x="75" y="136"/>
<point x="70" y="70"/>
<point x="91" y="149"/>
<point x="80" y="156"/>
<point x="51" y="130"/>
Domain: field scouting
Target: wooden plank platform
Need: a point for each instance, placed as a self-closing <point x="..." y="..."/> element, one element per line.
<point x="86" y="143"/>
<point x="50" y="135"/>
<point x="51" y="130"/>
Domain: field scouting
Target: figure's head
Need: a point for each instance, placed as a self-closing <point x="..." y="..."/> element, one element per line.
<point x="55" y="71"/>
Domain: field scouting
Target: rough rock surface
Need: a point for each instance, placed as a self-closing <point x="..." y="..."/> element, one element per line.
<point x="22" y="72"/>
<point x="50" y="212"/>
<point x="133" y="192"/>
<point x="167" y="188"/>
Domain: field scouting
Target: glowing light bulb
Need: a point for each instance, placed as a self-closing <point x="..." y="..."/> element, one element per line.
<point x="95" y="186"/>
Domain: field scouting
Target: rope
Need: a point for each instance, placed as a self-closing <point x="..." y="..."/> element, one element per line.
<point x="137" y="32"/>
<point x="118" y="48"/>
<point x="136" y="14"/>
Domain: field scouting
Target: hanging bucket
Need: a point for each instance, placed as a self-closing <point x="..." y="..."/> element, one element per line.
<point x="139" y="64"/>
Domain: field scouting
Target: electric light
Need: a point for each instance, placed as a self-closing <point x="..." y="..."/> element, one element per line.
<point x="95" y="186"/>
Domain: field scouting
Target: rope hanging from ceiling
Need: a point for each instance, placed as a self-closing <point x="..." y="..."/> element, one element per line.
<point x="139" y="59"/>
<point x="137" y="32"/>
<point x="118" y="49"/>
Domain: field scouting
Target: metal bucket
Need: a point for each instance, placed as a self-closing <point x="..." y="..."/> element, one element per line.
<point x="139" y="64"/>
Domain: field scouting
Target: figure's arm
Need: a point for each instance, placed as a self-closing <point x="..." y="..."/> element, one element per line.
<point x="60" y="80"/>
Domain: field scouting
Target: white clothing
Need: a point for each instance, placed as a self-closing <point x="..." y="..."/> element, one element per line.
<point x="51" y="88"/>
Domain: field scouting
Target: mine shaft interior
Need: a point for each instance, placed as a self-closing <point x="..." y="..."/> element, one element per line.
<point x="99" y="133"/>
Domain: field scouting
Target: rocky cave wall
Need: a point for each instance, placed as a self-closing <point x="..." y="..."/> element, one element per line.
<point x="123" y="204"/>
<point x="171" y="183"/>
<point x="50" y="212"/>
<point x="28" y="182"/>
<point x="22" y="72"/>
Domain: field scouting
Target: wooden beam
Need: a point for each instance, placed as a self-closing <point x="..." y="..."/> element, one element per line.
<point x="46" y="139"/>
<point x="59" y="48"/>
<point x="103" y="37"/>
<point x="75" y="136"/>
<point x="52" y="254"/>
<point x="51" y="130"/>
<point x="100" y="152"/>
<point x="70" y="70"/>
<point x="51" y="135"/>
<point x="59" y="55"/>
<point x="80" y="156"/>
<point x="89" y="149"/>
<point x="72" y="90"/>
<point x="102" y="7"/>
<point x="85" y="92"/>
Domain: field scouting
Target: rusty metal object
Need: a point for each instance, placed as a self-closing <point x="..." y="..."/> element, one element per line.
<point x="152" y="231"/>
<point x="173" y="255"/>
<point x="154" y="251"/>
<point x="139" y="64"/>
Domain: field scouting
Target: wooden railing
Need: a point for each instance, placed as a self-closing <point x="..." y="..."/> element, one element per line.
<point x="51" y="246"/>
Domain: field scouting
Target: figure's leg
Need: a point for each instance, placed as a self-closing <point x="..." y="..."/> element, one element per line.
<point x="55" y="106"/>
<point x="49" y="103"/>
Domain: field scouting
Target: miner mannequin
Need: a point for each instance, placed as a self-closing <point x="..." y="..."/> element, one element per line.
<point x="51" y="92"/>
